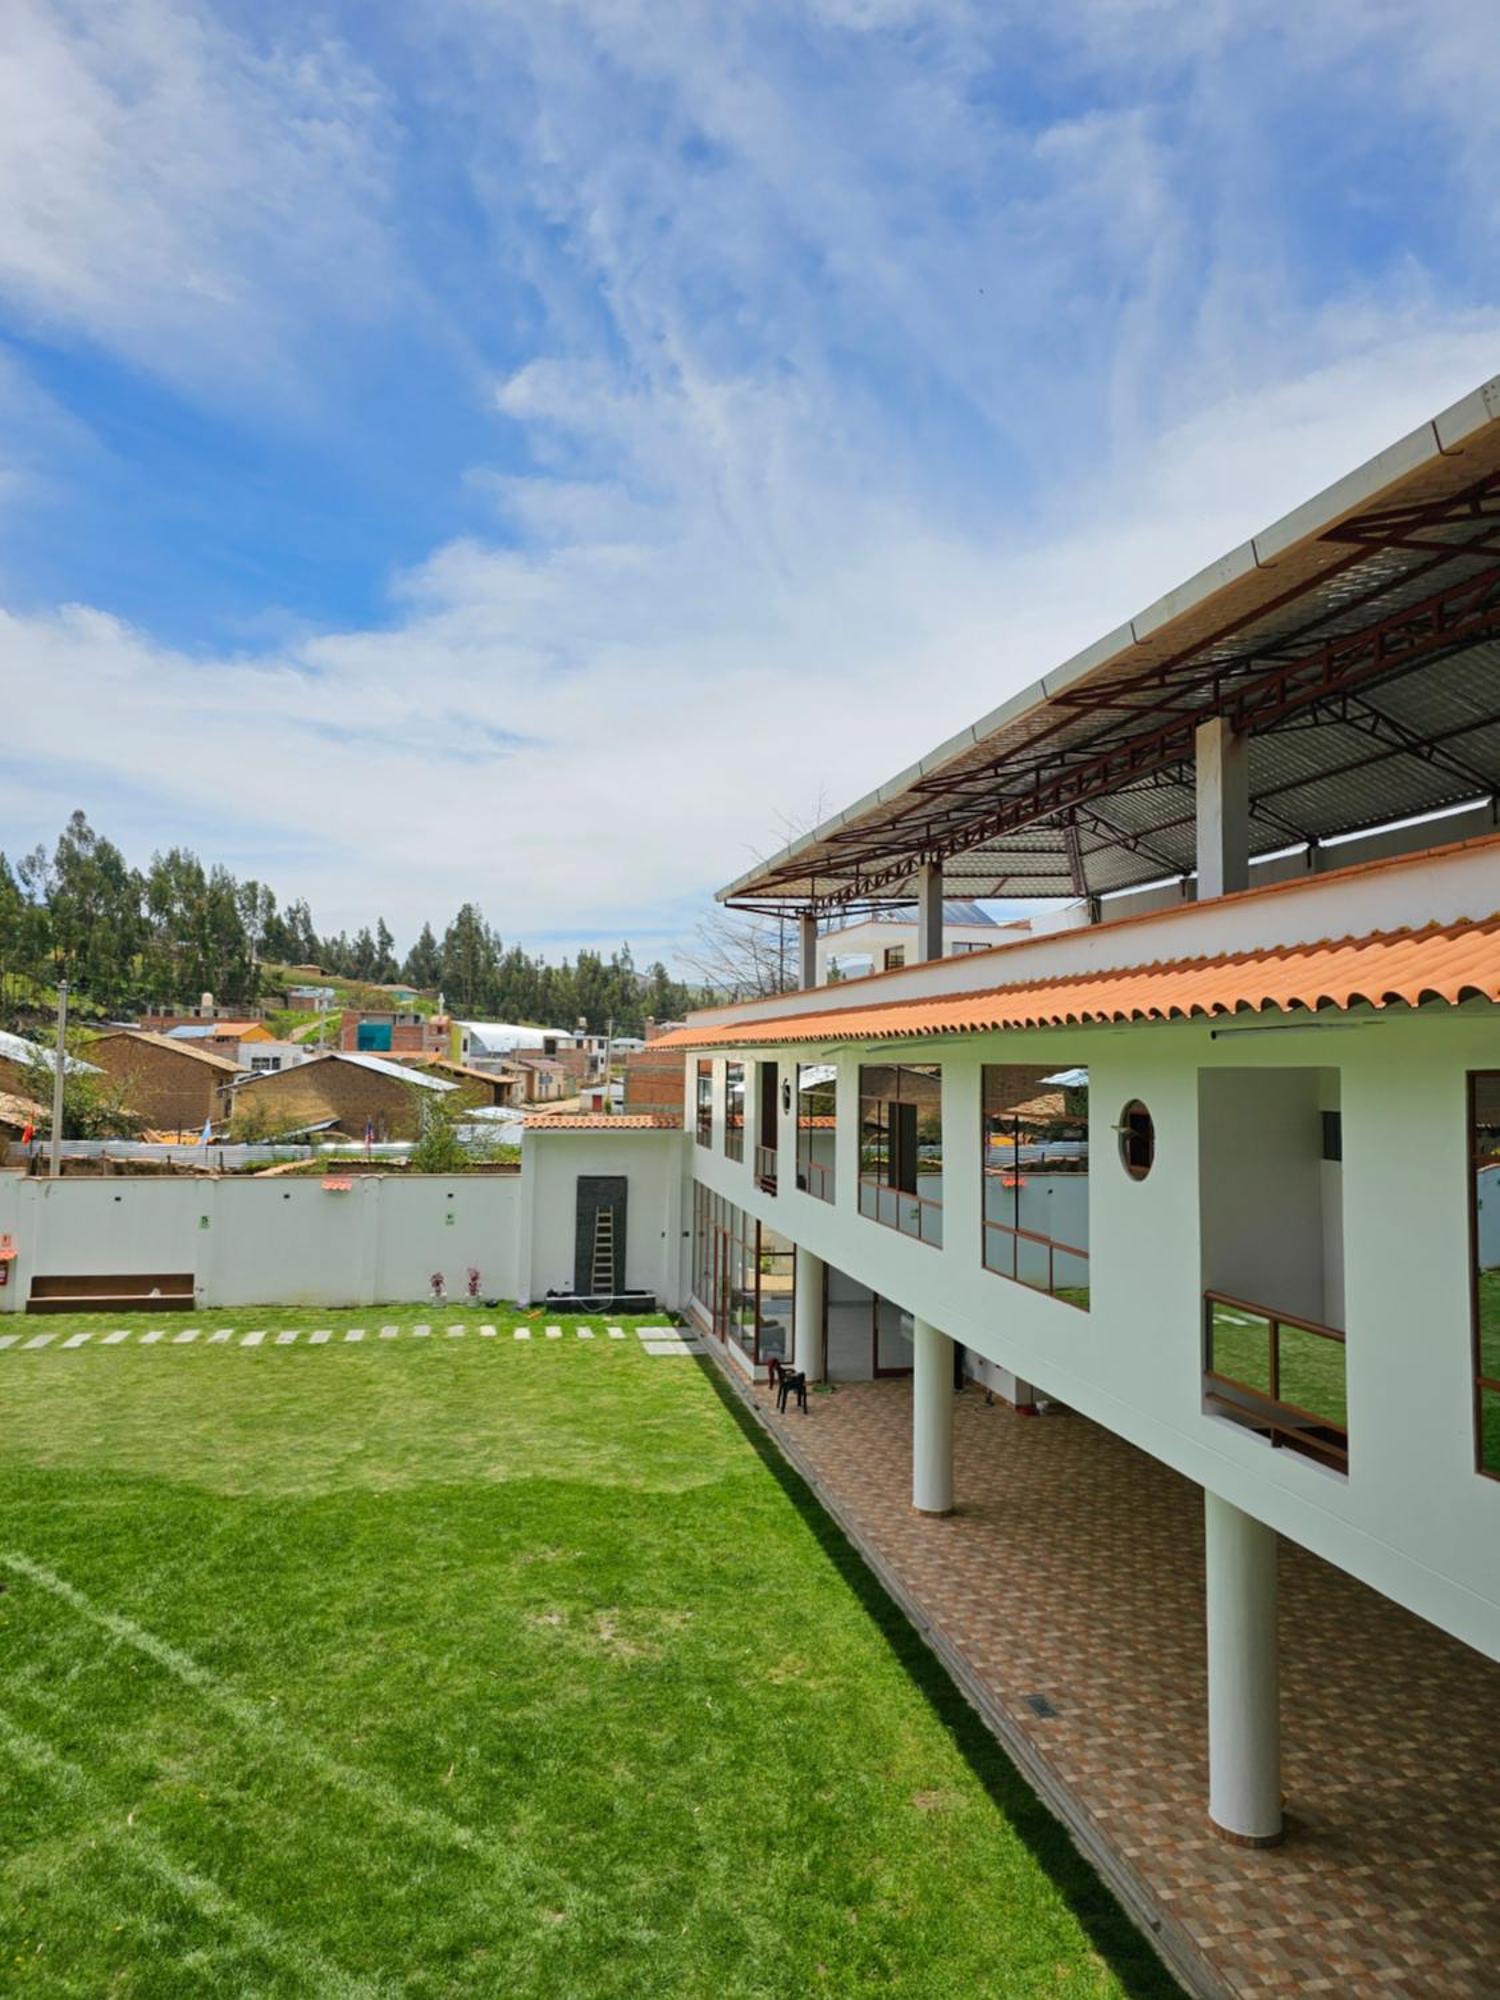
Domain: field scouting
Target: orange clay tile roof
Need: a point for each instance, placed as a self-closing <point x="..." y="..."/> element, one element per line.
<point x="1442" y="962"/>
<point x="602" y="1121"/>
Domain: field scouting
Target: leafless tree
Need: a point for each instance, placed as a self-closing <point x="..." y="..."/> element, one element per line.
<point x="745" y="954"/>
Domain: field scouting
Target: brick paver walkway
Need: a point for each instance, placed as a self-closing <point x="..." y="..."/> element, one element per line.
<point x="1073" y="1573"/>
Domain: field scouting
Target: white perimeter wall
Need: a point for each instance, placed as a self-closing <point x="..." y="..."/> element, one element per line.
<point x="285" y="1240"/>
<point x="1413" y="1518"/>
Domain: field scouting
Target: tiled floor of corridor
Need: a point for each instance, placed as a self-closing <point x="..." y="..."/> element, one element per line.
<point x="1073" y="1570"/>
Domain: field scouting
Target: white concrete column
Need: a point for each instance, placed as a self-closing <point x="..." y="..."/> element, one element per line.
<point x="931" y="1420"/>
<point x="929" y="910"/>
<point x="1222" y="766"/>
<point x="1244" y="1701"/>
<point x="807" y="1315"/>
<point x="807" y="950"/>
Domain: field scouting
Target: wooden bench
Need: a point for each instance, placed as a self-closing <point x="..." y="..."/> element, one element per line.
<point x="114" y="1291"/>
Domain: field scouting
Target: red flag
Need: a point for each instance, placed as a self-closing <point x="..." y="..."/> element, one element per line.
<point x="28" y="1133"/>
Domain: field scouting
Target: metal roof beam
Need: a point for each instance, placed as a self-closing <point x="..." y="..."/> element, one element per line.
<point x="1460" y="614"/>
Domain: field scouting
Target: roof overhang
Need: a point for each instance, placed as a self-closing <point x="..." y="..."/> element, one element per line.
<point x="1448" y="964"/>
<point x="1356" y="644"/>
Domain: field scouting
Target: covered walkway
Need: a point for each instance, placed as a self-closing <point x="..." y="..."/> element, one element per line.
<point x="1068" y="1589"/>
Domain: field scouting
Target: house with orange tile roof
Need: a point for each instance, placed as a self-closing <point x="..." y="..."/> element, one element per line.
<point x="1208" y="1152"/>
<point x="1206" y="1157"/>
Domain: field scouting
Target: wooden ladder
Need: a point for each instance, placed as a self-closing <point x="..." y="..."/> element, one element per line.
<point x="602" y="1270"/>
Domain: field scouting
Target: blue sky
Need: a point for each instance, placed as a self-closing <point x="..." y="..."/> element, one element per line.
<point x="543" y="453"/>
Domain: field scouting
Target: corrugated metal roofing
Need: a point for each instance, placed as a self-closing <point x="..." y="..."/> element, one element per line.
<point x="375" y="1063"/>
<point x="1402" y="968"/>
<point x="1011" y="807"/>
<point x="17" y="1049"/>
<point x="383" y="1068"/>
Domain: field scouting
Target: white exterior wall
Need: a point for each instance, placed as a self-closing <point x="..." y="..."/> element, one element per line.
<point x="1413" y="1518"/>
<point x="286" y="1240"/>
<point x="656" y="1246"/>
<point x="1408" y="893"/>
<point x="871" y="939"/>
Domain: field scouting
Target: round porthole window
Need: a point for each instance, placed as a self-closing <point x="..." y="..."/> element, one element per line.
<point x="1137" y="1140"/>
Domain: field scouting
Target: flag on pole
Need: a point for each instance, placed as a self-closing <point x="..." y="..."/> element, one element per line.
<point x="207" y="1132"/>
<point x="28" y="1133"/>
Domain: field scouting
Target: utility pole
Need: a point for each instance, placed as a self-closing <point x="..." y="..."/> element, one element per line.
<point x="59" y="1064"/>
<point x="609" y="1064"/>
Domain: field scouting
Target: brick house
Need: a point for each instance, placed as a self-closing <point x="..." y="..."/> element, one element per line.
<point x="388" y="1031"/>
<point x="173" y="1086"/>
<point x="355" y="1091"/>
<point x="654" y="1080"/>
<point x="162" y="1020"/>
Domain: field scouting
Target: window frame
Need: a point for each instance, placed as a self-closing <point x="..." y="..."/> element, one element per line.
<point x="1013" y="1230"/>
<point x="900" y="1141"/>
<point x="813" y="1178"/>
<point x="767" y="1095"/>
<point x="1483" y="1384"/>
<point x="1129" y="1134"/>
<point x="729" y="1245"/>
<point x="703" y="1102"/>
<point x="734" y="1127"/>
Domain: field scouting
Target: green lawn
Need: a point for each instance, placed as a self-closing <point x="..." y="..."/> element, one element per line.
<point x="1312" y="1367"/>
<point x="1489" y="1364"/>
<point x="481" y="1667"/>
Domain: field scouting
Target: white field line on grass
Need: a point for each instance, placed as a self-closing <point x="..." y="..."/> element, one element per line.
<point x="318" y="1337"/>
<point x="141" y="1846"/>
<point x="250" y="1716"/>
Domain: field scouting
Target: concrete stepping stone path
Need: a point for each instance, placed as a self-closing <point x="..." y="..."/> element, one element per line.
<point x="662" y="1339"/>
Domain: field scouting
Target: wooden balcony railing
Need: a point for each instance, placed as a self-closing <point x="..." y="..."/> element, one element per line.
<point x="814" y="1178"/>
<point x="1277" y="1374"/>
<point x="917" y="1215"/>
<point x="1002" y="1254"/>
<point x="765" y="1169"/>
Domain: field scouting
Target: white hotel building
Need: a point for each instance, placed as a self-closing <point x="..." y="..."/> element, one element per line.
<point x="1220" y="1168"/>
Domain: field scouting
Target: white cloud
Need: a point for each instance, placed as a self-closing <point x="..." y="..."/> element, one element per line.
<point x="860" y="400"/>
<point x="177" y="193"/>
<point x="593" y="732"/>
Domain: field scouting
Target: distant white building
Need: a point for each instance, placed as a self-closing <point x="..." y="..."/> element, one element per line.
<point x="486" y="1044"/>
<point x="259" y="1057"/>
<point x="887" y="940"/>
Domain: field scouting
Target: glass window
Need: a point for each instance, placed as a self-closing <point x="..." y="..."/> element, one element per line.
<point x="895" y="957"/>
<point x="776" y="1273"/>
<point x="817" y="1128"/>
<point x="901" y="1148"/>
<point x="1034" y="1163"/>
<point x="767" y="1124"/>
<point x="705" y="1103"/>
<point x="745" y="1278"/>
<point x="734" y="1111"/>
<point x="1484" y="1222"/>
<point x="1137" y="1140"/>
